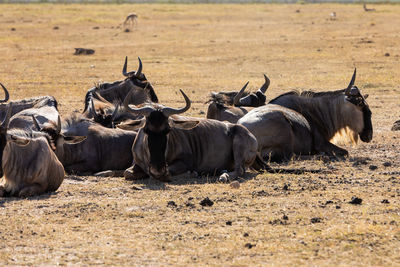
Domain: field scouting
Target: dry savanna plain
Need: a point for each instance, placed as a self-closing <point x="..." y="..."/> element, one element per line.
<point x="272" y="219"/>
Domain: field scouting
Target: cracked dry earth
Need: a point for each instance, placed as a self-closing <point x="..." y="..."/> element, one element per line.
<point x="348" y="214"/>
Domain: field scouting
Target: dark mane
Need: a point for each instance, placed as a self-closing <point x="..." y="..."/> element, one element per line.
<point x="223" y="99"/>
<point x="309" y="94"/>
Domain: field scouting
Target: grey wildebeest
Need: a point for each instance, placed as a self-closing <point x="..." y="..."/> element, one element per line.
<point x="168" y="144"/>
<point x="231" y="106"/>
<point x="28" y="164"/>
<point x="103" y="149"/>
<point x="102" y="102"/>
<point x="305" y="124"/>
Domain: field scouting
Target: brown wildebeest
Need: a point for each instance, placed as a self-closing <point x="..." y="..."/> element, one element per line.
<point x="106" y="97"/>
<point x="231" y="106"/>
<point x="367" y="9"/>
<point x="104" y="149"/>
<point x="28" y="165"/>
<point x="168" y="145"/>
<point x="296" y="124"/>
<point x="130" y="20"/>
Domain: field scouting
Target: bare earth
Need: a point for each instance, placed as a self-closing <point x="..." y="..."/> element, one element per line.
<point x="201" y="48"/>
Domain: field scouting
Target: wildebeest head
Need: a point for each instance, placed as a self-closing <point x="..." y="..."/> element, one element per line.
<point x="102" y="117"/>
<point x="157" y="123"/>
<point x="7" y="95"/>
<point x="55" y="137"/>
<point x="354" y="96"/>
<point x="253" y="99"/>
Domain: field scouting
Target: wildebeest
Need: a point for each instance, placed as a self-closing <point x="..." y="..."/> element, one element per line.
<point x="104" y="148"/>
<point x="168" y="144"/>
<point x="231" y="106"/>
<point x="28" y="164"/>
<point x="130" y="20"/>
<point x="305" y="124"/>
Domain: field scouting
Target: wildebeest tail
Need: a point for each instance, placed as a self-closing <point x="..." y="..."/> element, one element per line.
<point x="260" y="165"/>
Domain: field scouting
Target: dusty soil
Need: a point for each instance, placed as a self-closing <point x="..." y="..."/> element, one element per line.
<point x="272" y="219"/>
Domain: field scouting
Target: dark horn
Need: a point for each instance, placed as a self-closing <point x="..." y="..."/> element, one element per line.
<point x="36" y="123"/>
<point x="351" y="82"/>
<point x="265" y="86"/>
<point x="139" y="71"/>
<point x="58" y="124"/>
<point x="4" y="123"/>
<point x="171" y="111"/>
<point x="6" y="93"/>
<point x="125" y="66"/>
<point x="239" y="95"/>
<point x="93" y="110"/>
<point x="145" y="111"/>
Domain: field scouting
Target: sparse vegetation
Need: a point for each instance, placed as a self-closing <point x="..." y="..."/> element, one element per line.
<point x="274" y="219"/>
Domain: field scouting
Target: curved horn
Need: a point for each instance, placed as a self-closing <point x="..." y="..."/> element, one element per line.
<point x="171" y="111"/>
<point x="6" y="93"/>
<point x="93" y="110"/>
<point x="139" y="71"/>
<point x="36" y="123"/>
<point x="58" y="124"/>
<point x="347" y="91"/>
<point x="145" y="111"/>
<point x="4" y="123"/>
<point x="239" y="95"/>
<point x="125" y="66"/>
<point x="265" y="86"/>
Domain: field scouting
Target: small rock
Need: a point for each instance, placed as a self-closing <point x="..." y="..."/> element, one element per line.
<point x="201" y="112"/>
<point x="298" y="11"/>
<point x="249" y="246"/>
<point x="373" y="167"/>
<point x="396" y="126"/>
<point x="13" y="29"/>
<point x="355" y="201"/>
<point x="285" y="217"/>
<point x="385" y="201"/>
<point x="96" y="27"/>
<point x="235" y="185"/>
<point x="56" y="28"/>
<point x="245" y="235"/>
<point x="328" y="202"/>
<point x="316" y="220"/>
<point x="285" y="187"/>
<point x="171" y="204"/>
<point x="338" y="207"/>
<point x="387" y="55"/>
<point x="387" y="164"/>
<point x="206" y="202"/>
<point x="127" y="30"/>
<point x="228" y="223"/>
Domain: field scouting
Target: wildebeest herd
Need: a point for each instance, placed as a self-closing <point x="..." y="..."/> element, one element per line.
<point x="123" y="130"/>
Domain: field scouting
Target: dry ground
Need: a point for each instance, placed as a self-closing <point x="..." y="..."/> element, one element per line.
<point x="201" y="48"/>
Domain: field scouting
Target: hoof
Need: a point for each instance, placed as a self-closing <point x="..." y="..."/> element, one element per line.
<point x="224" y="178"/>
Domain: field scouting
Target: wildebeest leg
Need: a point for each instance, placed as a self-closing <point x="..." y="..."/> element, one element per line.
<point x="32" y="190"/>
<point x="2" y="191"/>
<point x="333" y="150"/>
<point x="135" y="173"/>
<point x="178" y="167"/>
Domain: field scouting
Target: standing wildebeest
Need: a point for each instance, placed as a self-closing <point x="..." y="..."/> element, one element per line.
<point x="169" y="145"/>
<point x="231" y="106"/>
<point x="296" y="124"/>
<point x="28" y="164"/>
<point x="104" y="148"/>
<point x="131" y="19"/>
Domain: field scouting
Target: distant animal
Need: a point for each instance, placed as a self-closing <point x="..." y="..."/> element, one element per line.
<point x="103" y="148"/>
<point x="28" y="164"/>
<point x="295" y="124"/>
<point x="105" y="98"/>
<point x="231" y="106"/>
<point x="130" y="20"/>
<point x="367" y="9"/>
<point x="84" y="51"/>
<point x="333" y="16"/>
<point x="168" y="144"/>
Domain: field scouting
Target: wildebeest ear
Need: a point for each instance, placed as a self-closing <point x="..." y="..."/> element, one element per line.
<point x="183" y="124"/>
<point x="131" y="125"/>
<point x="18" y="140"/>
<point x="71" y="140"/>
<point x="366" y="96"/>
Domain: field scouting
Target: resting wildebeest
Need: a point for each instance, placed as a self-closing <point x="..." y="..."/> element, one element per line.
<point x="168" y="145"/>
<point x="104" y="148"/>
<point x="231" y="106"/>
<point x="306" y="124"/>
<point x="116" y="92"/>
<point x="28" y="164"/>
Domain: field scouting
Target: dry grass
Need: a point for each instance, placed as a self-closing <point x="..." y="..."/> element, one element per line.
<point x="201" y="48"/>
